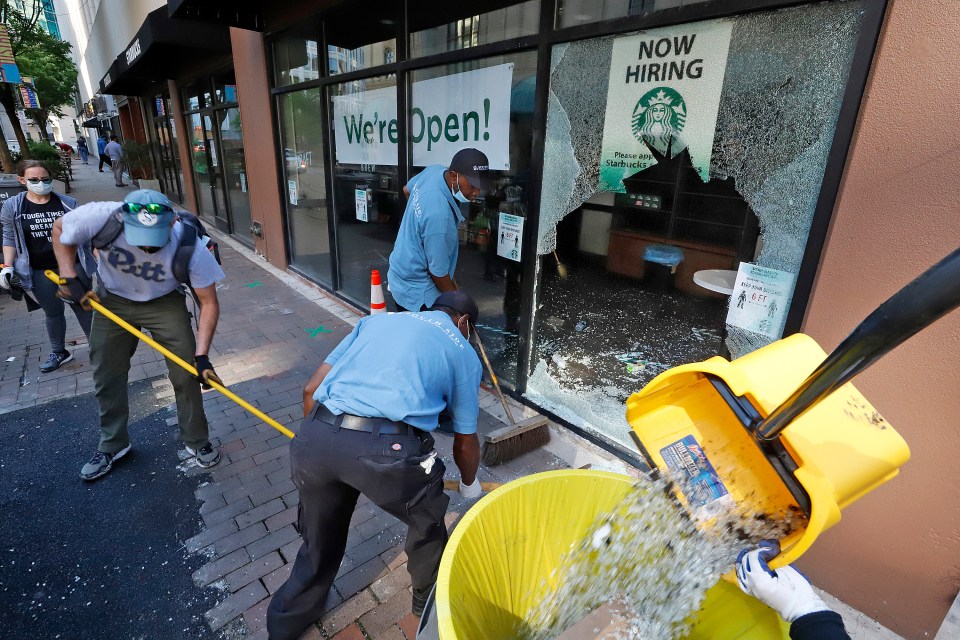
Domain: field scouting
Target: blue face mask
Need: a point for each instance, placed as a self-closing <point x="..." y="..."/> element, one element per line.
<point x="458" y="194"/>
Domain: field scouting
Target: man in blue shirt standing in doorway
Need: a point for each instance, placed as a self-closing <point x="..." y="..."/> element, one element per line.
<point x="369" y="412"/>
<point x="424" y="257"/>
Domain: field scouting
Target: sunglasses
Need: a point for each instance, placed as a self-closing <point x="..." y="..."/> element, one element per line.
<point x="39" y="180"/>
<point x="135" y="207"/>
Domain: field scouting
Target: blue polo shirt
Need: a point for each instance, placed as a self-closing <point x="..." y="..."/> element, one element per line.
<point x="405" y="367"/>
<point x="427" y="241"/>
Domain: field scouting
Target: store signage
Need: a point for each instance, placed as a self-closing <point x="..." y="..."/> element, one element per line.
<point x="663" y="97"/>
<point x="510" y="236"/>
<point x="760" y="299"/>
<point x="134" y="51"/>
<point x="292" y="191"/>
<point x="470" y="109"/>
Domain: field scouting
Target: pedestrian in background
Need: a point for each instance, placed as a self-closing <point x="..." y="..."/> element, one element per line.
<point x="82" y="150"/>
<point x="101" y="152"/>
<point x="115" y="152"/>
<point x="27" y="219"/>
<point x="424" y="256"/>
<point x="138" y="240"/>
<point x="369" y="411"/>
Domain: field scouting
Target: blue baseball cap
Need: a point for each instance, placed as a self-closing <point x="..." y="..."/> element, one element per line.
<point x="144" y="228"/>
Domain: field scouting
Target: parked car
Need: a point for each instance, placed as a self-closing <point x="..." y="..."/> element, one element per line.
<point x="295" y="161"/>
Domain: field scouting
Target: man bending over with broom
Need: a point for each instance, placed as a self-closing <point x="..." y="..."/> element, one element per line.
<point x="138" y="240"/>
<point x="369" y="411"/>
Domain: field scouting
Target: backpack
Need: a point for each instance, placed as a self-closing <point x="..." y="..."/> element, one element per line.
<point x="192" y="229"/>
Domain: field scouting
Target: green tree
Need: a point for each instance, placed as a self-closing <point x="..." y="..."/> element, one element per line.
<point x="54" y="78"/>
<point x="26" y="34"/>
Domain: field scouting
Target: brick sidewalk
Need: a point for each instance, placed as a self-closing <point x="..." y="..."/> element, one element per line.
<point x="274" y="331"/>
<point x="265" y="353"/>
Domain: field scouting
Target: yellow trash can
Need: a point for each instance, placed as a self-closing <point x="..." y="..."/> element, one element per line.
<point x="498" y="564"/>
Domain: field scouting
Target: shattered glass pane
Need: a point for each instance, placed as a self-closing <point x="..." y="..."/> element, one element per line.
<point x="600" y="336"/>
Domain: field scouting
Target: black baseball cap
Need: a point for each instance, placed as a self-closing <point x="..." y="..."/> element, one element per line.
<point x="473" y="165"/>
<point x="458" y="302"/>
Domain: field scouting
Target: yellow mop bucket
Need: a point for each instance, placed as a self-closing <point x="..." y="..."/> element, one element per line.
<point x="780" y="433"/>
<point x="499" y="562"/>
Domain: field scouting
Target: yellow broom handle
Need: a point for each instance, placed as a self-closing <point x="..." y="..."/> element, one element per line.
<point x="99" y="308"/>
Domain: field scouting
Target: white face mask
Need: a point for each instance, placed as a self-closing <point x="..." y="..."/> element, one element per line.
<point x="40" y="188"/>
<point x="458" y="194"/>
<point x="468" y="326"/>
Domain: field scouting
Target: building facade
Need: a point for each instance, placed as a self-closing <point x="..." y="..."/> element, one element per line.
<point x="650" y="159"/>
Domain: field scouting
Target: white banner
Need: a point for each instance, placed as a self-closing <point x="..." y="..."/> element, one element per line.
<point x="470" y="109"/>
<point x="663" y="97"/>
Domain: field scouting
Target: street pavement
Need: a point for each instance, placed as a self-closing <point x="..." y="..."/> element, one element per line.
<point x="237" y="528"/>
<point x="91" y="561"/>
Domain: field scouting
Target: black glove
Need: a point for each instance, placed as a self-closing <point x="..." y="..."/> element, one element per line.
<point x="74" y="291"/>
<point x="205" y="372"/>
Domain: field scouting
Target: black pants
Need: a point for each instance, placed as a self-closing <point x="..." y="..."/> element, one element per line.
<point x="105" y="159"/>
<point x="331" y="468"/>
<point x="423" y="307"/>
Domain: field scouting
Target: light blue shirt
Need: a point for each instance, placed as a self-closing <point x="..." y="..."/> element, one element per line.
<point x="405" y="367"/>
<point x="427" y="241"/>
<point x="129" y="271"/>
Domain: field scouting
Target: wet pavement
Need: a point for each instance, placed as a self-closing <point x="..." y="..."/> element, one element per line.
<point x="103" y="559"/>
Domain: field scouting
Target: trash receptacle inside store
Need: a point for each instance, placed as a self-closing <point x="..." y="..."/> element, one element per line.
<point x="660" y="265"/>
<point x="9" y="186"/>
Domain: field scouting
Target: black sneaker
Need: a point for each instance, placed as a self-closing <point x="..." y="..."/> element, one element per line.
<point x="207" y="456"/>
<point x="55" y="361"/>
<point x="101" y="464"/>
<point x="420" y="598"/>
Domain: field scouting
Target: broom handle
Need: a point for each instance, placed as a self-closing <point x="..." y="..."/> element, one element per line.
<point x="493" y="377"/>
<point x="99" y="308"/>
<point x="929" y="296"/>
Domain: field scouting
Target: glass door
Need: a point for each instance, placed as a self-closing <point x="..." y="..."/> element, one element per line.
<point x="205" y="167"/>
<point x="233" y="172"/>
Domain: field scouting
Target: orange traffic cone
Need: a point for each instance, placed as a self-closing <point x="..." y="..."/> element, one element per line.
<point x="377" y="305"/>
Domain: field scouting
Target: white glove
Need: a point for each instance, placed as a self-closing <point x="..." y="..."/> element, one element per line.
<point x="784" y="590"/>
<point x="6" y="274"/>
<point x="471" y="491"/>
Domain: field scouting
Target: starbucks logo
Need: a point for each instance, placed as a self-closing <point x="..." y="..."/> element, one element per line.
<point x="659" y="117"/>
<point x="147" y="219"/>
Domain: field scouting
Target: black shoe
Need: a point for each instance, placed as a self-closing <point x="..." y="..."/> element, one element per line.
<point x="101" y="463"/>
<point x="207" y="456"/>
<point x="420" y="598"/>
<point x="55" y="360"/>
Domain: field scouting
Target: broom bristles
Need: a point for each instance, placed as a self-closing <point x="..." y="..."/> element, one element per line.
<point x="495" y="453"/>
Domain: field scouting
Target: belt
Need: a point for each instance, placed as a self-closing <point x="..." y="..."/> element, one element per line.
<point x="360" y="423"/>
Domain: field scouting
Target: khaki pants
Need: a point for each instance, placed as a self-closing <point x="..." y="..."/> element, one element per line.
<point x="118" y="172"/>
<point x="111" y="348"/>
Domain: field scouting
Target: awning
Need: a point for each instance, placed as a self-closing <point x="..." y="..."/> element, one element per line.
<point x="92" y="123"/>
<point x="163" y="48"/>
<point x="355" y="24"/>
<point x="243" y="14"/>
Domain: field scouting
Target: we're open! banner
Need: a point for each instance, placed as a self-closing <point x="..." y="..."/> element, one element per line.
<point x="470" y="109"/>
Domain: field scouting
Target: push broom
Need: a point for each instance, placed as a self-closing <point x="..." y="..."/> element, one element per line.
<point x="505" y="451"/>
<point x="172" y="357"/>
<point x="517" y="438"/>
